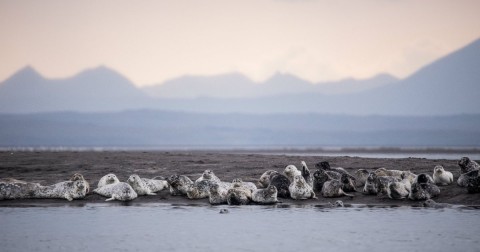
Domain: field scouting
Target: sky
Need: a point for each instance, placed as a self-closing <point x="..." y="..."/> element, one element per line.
<point x="153" y="41"/>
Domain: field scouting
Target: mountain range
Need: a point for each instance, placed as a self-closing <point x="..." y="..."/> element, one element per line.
<point x="449" y="85"/>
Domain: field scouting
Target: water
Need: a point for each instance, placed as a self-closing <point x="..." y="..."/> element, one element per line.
<point x="164" y="227"/>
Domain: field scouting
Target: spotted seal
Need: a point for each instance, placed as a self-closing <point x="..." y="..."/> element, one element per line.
<point x="239" y="195"/>
<point x="338" y="203"/>
<point x="348" y="183"/>
<point x="264" y="180"/>
<point x="78" y="176"/>
<point x="399" y="190"/>
<point x="208" y="175"/>
<point x="473" y="181"/>
<point x="139" y="185"/>
<point x="326" y="166"/>
<point x="299" y="189"/>
<point x="200" y="189"/>
<point x="306" y="174"/>
<point x="291" y="171"/>
<point x="382" y="184"/>
<point x="370" y="187"/>
<point x="265" y="195"/>
<point x="333" y="188"/>
<point x="249" y="185"/>
<point x="68" y="190"/>
<point x="11" y="188"/>
<point x="118" y="191"/>
<point x="361" y="176"/>
<point x="467" y="165"/>
<point x="442" y="177"/>
<point x="179" y="184"/>
<point x="383" y="172"/>
<point x="217" y="194"/>
<point x="107" y="180"/>
<point x="423" y="188"/>
<point x="156" y="184"/>
<point x="282" y="183"/>
<point x="320" y="176"/>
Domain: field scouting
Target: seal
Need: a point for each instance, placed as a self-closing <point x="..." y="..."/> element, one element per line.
<point x="399" y="190"/>
<point x="199" y="189"/>
<point x="291" y="171"/>
<point x="431" y="203"/>
<point x="108" y="179"/>
<point x="382" y="172"/>
<point x="370" y="187"/>
<point x="118" y="191"/>
<point x="423" y="188"/>
<point x="338" y="203"/>
<point x="249" y="185"/>
<point x="299" y="189"/>
<point x="442" y="177"/>
<point x="326" y="166"/>
<point x="139" y="185"/>
<point x="68" y="190"/>
<point x="409" y="175"/>
<point x="382" y="184"/>
<point x="156" y="184"/>
<point x="282" y="183"/>
<point x="320" y="176"/>
<point x="361" y="176"/>
<point x="11" y="188"/>
<point x="473" y="181"/>
<point x="264" y="180"/>
<point x="333" y="188"/>
<point x="348" y="183"/>
<point x="265" y="196"/>
<point x="78" y="176"/>
<point x="306" y="174"/>
<point x="223" y="211"/>
<point x="179" y="184"/>
<point x="218" y="194"/>
<point x="467" y="165"/>
<point x="208" y="175"/>
<point x="238" y="195"/>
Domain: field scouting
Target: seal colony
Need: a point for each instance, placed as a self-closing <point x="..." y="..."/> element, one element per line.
<point x="271" y="186"/>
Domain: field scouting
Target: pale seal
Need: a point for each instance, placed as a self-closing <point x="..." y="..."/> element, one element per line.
<point x="107" y="180"/>
<point x="399" y="190"/>
<point x="239" y="196"/>
<point x="338" y="203"/>
<point x="306" y="174"/>
<point x="442" y="177"/>
<point x="291" y="171"/>
<point x="156" y="184"/>
<point x="179" y="184"/>
<point x="299" y="189"/>
<point x="218" y="194"/>
<point x="208" y="175"/>
<point x="265" y="196"/>
<point x="333" y="188"/>
<point x="382" y="172"/>
<point x="118" y="191"/>
<point x="249" y="185"/>
<point x="68" y="190"/>
<point x="423" y="188"/>
<point x="17" y="189"/>
<point x="282" y="183"/>
<point x="139" y="185"/>
<point x="361" y="176"/>
<point x="409" y="175"/>
<point x="264" y="180"/>
<point x="78" y="176"/>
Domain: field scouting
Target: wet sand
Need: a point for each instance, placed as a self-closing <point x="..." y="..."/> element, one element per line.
<point x="47" y="167"/>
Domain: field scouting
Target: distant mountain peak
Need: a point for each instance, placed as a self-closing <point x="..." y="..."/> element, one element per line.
<point x="26" y="74"/>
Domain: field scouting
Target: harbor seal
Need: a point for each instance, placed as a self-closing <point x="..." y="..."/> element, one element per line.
<point x="139" y="185"/>
<point x="200" y="189"/>
<point x="370" y="187"/>
<point x="467" y="165"/>
<point x="333" y="188"/>
<point x="264" y="180"/>
<point x="306" y="174"/>
<point x="239" y="196"/>
<point x="223" y="211"/>
<point x="431" y="203"/>
<point x="68" y="190"/>
<point x="409" y="175"/>
<point x="423" y="188"/>
<point x="78" y="176"/>
<point x="348" y="183"/>
<point x="382" y="184"/>
<point x="442" y="177"/>
<point x="326" y="166"/>
<point x="218" y="194"/>
<point x="361" y="176"/>
<point x="249" y="185"/>
<point x="282" y="183"/>
<point x="338" y="203"/>
<point x="473" y="181"/>
<point x="299" y="189"/>
<point x="265" y="196"/>
<point x="107" y="180"/>
<point x="399" y="190"/>
<point x="11" y="188"/>
<point x="208" y="175"/>
<point x="320" y="176"/>
<point x="382" y="172"/>
<point x="179" y="184"/>
<point x="156" y="184"/>
<point x="118" y="191"/>
<point x="291" y="171"/>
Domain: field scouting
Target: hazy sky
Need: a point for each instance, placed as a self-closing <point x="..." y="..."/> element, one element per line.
<point x="151" y="41"/>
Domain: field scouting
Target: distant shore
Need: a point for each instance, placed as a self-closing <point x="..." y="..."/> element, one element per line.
<point x="49" y="167"/>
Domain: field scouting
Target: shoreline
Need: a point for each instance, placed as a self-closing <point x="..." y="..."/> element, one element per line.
<point x="52" y="167"/>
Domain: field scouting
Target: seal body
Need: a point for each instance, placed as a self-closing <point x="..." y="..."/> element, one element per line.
<point x="108" y="179"/>
<point x="299" y="189"/>
<point x="208" y="175"/>
<point x="467" y="165"/>
<point x="473" y="181"/>
<point x="17" y="189"/>
<point x="239" y="182"/>
<point x="348" y="183"/>
<point x="68" y="190"/>
<point x="139" y="185"/>
<point x="382" y="184"/>
<point x="306" y="174"/>
<point x="423" y="188"/>
<point x="320" y="176"/>
<point x="381" y="172"/>
<point x="361" y="176"/>
<point x="179" y="184"/>
<point x="118" y="191"/>
<point x="218" y="194"/>
<point x="399" y="190"/>
<point x="265" y="196"/>
<point x="333" y="188"/>
<point x="239" y="196"/>
<point x="199" y="189"/>
<point x="78" y="176"/>
<point x="264" y="180"/>
<point x="370" y="187"/>
<point x="326" y="166"/>
<point x="282" y="183"/>
<point x="442" y="177"/>
<point x="156" y="185"/>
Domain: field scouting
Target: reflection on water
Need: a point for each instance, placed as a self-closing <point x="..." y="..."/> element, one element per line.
<point x="164" y="227"/>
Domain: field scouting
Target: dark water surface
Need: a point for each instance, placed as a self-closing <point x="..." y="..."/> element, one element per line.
<point x="165" y="227"/>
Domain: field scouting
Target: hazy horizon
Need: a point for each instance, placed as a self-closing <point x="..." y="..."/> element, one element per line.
<point x="151" y="42"/>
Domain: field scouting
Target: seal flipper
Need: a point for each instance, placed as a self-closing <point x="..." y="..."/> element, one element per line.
<point x="151" y="193"/>
<point x="110" y="199"/>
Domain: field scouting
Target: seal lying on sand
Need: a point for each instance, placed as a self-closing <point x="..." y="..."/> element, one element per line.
<point x="320" y="176"/>
<point x="380" y="172"/>
<point x="466" y="166"/>
<point x="299" y="189"/>
<point x="282" y="183"/>
<point x="361" y="176"/>
<point x="333" y="188"/>
<point x="348" y="183"/>
<point x="370" y="187"/>
<point x="264" y="180"/>
<point x="208" y="175"/>
<point x="326" y="166"/>
<point x="11" y="188"/>
<point x="423" y="188"/>
<point x="139" y="185"/>
<point x="200" y="189"/>
<point x="117" y="191"/>
<point x="78" y="176"/>
<point x="382" y="184"/>
<point x="473" y="181"/>
<point x="156" y="184"/>
<point x="69" y="190"/>
<point x="179" y="184"/>
<point x="107" y="180"/>
<point x="217" y="194"/>
<point x="239" y="195"/>
<point x="442" y="177"/>
<point x="291" y="171"/>
<point x="399" y="190"/>
<point x="249" y="185"/>
<point x="265" y="196"/>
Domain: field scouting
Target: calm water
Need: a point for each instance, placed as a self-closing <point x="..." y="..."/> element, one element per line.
<point x="163" y="227"/>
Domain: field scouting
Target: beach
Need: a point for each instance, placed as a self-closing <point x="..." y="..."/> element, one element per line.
<point x="49" y="167"/>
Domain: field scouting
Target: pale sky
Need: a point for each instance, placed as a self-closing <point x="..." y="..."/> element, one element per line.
<point x="153" y="41"/>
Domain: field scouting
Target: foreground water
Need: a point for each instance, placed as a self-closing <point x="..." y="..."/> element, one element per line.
<point x="164" y="227"/>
